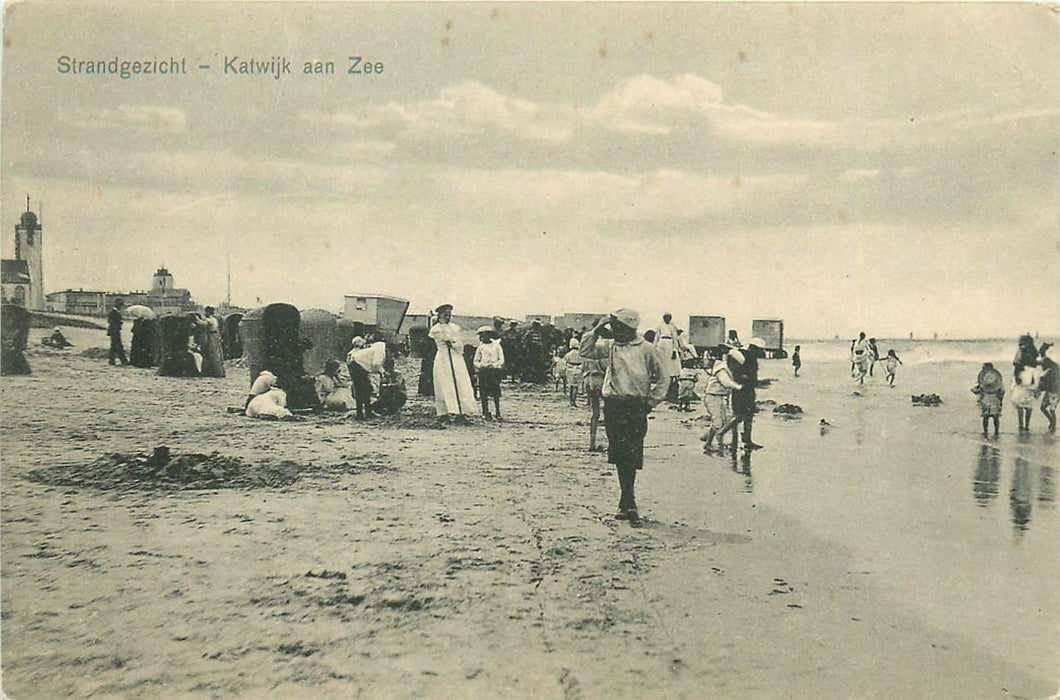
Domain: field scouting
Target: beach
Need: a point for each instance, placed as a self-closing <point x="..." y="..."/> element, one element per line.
<point x="889" y="553"/>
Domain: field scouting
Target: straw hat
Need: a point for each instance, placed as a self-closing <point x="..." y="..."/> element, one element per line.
<point x="484" y="329"/>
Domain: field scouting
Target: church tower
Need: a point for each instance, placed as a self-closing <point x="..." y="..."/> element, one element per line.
<point x="162" y="282"/>
<point x="29" y="246"/>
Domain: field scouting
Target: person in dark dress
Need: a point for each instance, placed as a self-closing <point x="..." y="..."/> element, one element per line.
<point x="114" y="323"/>
<point x="743" y="399"/>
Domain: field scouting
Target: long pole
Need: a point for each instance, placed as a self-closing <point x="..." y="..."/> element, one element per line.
<point x="452" y="368"/>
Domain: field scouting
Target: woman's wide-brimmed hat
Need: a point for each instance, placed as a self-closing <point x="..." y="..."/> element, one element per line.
<point x="989" y="378"/>
<point x="443" y="307"/>
<point x="484" y="329"/>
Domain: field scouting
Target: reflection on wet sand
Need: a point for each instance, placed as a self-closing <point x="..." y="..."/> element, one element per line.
<point x="1020" y="496"/>
<point x="741" y="464"/>
<point x="1047" y="487"/>
<point x="1025" y="474"/>
<point x="987" y="474"/>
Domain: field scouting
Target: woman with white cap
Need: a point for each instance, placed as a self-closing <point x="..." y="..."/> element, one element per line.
<point x="634" y="383"/>
<point x="454" y="396"/>
<point x="364" y="361"/>
<point x="670" y="347"/>
<point x="720" y="384"/>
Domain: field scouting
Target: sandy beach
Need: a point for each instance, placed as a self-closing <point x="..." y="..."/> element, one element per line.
<point x="891" y="555"/>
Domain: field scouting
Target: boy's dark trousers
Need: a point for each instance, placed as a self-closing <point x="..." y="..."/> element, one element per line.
<point x="626" y="424"/>
<point x="116" y="350"/>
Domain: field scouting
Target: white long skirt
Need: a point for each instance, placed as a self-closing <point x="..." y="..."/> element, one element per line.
<point x="666" y="349"/>
<point x="450" y="398"/>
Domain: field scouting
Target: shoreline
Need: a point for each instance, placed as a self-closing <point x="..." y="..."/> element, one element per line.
<point x="477" y="562"/>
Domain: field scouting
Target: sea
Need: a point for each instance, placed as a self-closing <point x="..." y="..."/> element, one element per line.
<point x="961" y="530"/>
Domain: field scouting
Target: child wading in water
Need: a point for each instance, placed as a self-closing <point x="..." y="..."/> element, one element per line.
<point x="989" y="390"/>
<point x="891" y="365"/>
<point x="796" y="360"/>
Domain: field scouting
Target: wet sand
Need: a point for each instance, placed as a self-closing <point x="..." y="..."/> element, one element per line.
<point x="485" y="562"/>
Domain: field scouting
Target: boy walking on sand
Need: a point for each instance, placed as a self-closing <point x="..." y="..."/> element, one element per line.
<point x="634" y="383"/>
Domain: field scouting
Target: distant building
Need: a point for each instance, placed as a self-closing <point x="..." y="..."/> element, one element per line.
<point x="78" y="301"/>
<point x="16" y="281"/>
<point x="23" y="277"/>
<point x="162" y="298"/>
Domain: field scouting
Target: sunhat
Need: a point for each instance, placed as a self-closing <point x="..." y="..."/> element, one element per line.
<point x="989" y="378"/>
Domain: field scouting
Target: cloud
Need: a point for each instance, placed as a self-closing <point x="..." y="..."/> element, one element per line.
<point x="647" y="105"/>
<point x="147" y="119"/>
<point x="466" y="109"/>
<point x="858" y="174"/>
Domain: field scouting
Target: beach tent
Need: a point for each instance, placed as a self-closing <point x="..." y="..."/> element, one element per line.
<point x="319" y="327"/>
<point x="272" y="340"/>
<point x="14" y="336"/>
<point x="146" y="349"/>
<point x="233" y="346"/>
<point x="176" y="359"/>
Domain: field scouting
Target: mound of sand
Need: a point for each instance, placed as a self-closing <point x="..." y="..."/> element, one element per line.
<point x="162" y="470"/>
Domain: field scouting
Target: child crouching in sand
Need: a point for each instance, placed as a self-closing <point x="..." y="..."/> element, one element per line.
<point x="989" y="390"/>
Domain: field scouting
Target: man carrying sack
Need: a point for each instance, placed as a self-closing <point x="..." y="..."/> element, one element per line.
<point x="634" y="383"/>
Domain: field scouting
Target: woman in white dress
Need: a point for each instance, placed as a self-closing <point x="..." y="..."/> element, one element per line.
<point x="454" y="398"/>
<point x="669" y="345"/>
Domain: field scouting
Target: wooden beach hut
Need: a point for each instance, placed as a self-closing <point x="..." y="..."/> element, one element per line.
<point x="771" y="331"/>
<point x="705" y="331"/>
<point x="378" y="312"/>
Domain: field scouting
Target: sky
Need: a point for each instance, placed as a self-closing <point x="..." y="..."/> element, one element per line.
<point x="890" y="168"/>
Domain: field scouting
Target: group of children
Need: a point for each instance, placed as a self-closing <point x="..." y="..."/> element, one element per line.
<point x="1035" y="375"/>
<point x="864" y="354"/>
